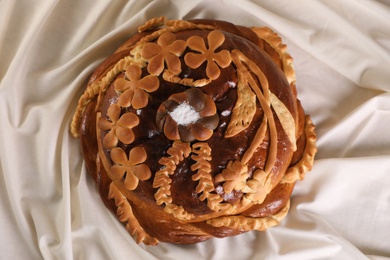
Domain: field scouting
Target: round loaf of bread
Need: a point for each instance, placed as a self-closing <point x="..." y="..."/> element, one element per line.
<point x="193" y="130"/>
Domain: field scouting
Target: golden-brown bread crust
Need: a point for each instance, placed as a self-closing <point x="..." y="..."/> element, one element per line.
<point x="232" y="167"/>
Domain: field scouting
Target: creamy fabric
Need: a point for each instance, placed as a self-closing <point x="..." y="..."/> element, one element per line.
<point x="50" y="208"/>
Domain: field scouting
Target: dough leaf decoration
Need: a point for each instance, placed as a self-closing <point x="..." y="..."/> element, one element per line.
<point x="202" y="157"/>
<point x="244" y="109"/>
<point x="162" y="180"/>
<point x="285" y="118"/>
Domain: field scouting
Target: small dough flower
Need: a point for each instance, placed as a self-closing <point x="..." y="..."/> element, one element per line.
<point x="120" y="127"/>
<point x="234" y="176"/>
<point x="222" y="58"/>
<point x="166" y="49"/>
<point x="255" y="188"/>
<point x="133" y="89"/>
<point x="132" y="167"/>
<point x="188" y="116"/>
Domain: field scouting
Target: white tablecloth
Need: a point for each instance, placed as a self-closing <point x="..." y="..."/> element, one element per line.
<point x="50" y="208"/>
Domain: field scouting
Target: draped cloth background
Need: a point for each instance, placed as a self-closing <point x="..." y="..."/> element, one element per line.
<point x="50" y="208"/>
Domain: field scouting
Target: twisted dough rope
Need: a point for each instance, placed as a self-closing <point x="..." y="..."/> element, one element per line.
<point x="305" y="164"/>
<point x="126" y="215"/>
<point x="96" y="89"/>
<point x="250" y="223"/>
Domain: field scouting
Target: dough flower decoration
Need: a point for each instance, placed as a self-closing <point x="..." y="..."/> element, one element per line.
<point x="188" y="116"/>
<point x="256" y="189"/>
<point x="133" y="87"/>
<point x="131" y="168"/>
<point x="234" y="176"/>
<point x="167" y="49"/>
<point x="195" y="60"/>
<point x="120" y="127"/>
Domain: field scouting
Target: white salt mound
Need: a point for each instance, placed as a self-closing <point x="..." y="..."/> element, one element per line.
<point x="184" y="114"/>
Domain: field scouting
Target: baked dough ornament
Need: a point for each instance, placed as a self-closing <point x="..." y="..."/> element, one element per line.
<point x="193" y="130"/>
